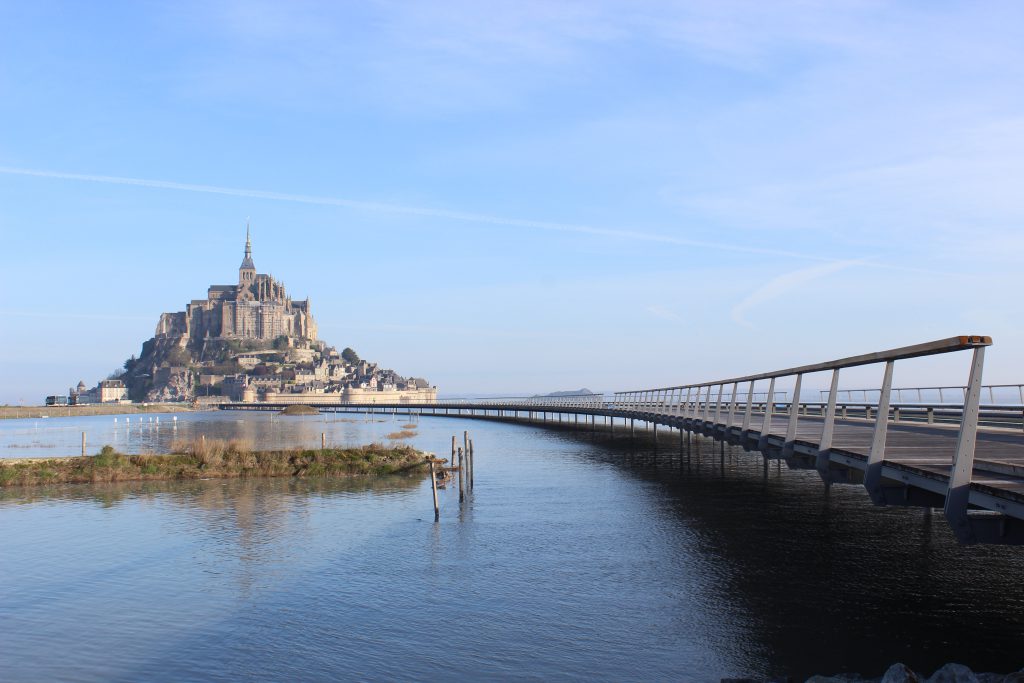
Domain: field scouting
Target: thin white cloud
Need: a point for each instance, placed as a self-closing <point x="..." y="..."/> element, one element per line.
<point x="81" y="316"/>
<point x="785" y="283"/>
<point x="414" y="210"/>
<point x="663" y="313"/>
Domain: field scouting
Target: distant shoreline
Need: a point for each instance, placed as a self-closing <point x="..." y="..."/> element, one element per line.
<point x="23" y="412"/>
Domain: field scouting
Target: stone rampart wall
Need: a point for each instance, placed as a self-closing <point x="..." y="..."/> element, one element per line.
<point x="361" y="396"/>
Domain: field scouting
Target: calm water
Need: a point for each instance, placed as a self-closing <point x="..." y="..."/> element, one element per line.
<point x="575" y="559"/>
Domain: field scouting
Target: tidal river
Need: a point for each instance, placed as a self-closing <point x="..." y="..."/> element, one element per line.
<point x="575" y="559"/>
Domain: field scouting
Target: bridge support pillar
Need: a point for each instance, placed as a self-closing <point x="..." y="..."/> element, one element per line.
<point x="794" y="411"/>
<point x="958" y="494"/>
<point x="762" y="442"/>
<point x="822" y="462"/>
<point x="876" y="454"/>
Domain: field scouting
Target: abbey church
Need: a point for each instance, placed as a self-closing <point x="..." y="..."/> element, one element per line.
<point x="258" y="308"/>
<point x="250" y="341"/>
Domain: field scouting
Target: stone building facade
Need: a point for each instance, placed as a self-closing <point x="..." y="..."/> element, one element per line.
<point x="257" y="307"/>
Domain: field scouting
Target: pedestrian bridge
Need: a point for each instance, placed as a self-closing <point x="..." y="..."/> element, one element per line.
<point x="965" y="457"/>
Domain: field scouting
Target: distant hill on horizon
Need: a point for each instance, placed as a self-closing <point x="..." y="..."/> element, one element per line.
<point x="577" y="392"/>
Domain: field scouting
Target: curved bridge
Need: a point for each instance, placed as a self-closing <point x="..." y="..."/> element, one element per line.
<point x="965" y="458"/>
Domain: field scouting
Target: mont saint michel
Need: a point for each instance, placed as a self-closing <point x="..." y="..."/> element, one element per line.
<point x="249" y="341"/>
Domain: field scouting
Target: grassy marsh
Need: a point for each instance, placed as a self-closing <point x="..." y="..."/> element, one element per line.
<point x="212" y="459"/>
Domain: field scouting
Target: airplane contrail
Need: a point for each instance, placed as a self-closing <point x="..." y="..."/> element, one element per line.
<point x="411" y="210"/>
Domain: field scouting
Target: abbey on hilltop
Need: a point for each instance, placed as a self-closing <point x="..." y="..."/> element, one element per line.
<point x="250" y="341"/>
<point x="258" y="307"/>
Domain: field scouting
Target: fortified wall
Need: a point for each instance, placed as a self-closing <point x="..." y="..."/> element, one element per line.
<point x="355" y="395"/>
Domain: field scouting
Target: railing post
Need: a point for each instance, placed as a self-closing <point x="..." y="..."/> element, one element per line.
<point x="686" y="406"/>
<point x="769" y="400"/>
<point x="707" y="406"/>
<point x="958" y="494"/>
<point x="876" y="454"/>
<point x="732" y="407"/>
<point x="794" y="413"/>
<point x="750" y="407"/>
<point x="718" y="405"/>
<point x="821" y="463"/>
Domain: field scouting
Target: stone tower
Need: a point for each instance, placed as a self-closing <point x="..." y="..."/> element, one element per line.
<point x="247" y="271"/>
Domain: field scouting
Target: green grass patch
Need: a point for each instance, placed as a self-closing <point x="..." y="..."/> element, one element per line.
<point x="214" y="459"/>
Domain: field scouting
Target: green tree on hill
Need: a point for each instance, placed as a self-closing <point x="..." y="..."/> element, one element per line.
<point x="350" y="356"/>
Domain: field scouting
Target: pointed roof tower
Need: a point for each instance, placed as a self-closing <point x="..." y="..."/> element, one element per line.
<point x="247" y="271"/>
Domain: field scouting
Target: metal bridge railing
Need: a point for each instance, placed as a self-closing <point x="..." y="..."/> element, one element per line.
<point x="706" y="402"/>
<point x="1006" y="392"/>
<point x="562" y="401"/>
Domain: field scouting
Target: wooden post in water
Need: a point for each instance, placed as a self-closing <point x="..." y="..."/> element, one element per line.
<point x="472" y="464"/>
<point x="83" y="443"/>
<point x="453" y="451"/>
<point x="465" y="443"/>
<point x="323" y="446"/>
<point x="433" y="487"/>
<point x="462" y="483"/>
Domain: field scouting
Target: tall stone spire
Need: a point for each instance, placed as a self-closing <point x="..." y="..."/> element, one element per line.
<point x="247" y="271"/>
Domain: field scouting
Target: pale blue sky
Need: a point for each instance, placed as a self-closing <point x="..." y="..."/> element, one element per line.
<point x="518" y="196"/>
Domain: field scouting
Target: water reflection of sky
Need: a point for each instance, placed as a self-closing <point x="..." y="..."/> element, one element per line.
<point x="42" y="437"/>
<point x="574" y="559"/>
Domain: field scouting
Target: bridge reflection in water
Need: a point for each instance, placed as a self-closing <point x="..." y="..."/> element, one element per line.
<point x="964" y="458"/>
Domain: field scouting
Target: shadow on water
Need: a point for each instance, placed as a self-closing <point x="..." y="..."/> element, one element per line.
<point x="828" y="584"/>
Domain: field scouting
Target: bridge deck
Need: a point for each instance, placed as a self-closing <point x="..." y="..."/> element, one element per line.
<point x="917" y="456"/>
<point x="926" y="446"/>
<point x="926" y="449"/>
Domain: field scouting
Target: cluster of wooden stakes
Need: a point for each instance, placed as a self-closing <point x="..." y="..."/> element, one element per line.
<point x="441" y="474"/>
